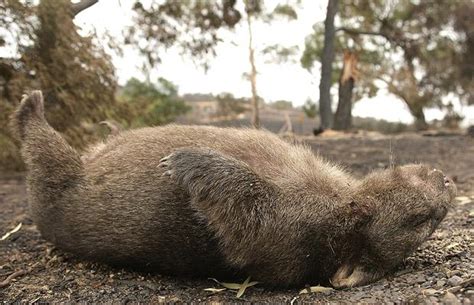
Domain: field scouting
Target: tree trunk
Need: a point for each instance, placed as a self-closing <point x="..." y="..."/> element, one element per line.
<point x="343" y="117"/>
<point x="419" y="116"/>
<point x="253" y="76"/>
<point x="326" y="66"/>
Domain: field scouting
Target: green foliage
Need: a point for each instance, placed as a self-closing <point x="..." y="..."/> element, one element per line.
<point x="285" y="10"/>
<point x="279" y="54"/>
<point x="152" y="104"/>
<point x="310" y="109"/>
<point x="192" y="25"/>
<point x="313" y="50"/>
<point x="228" y="105"/>
<point x="195" y="26"/>
<point x="382" y="126"/>
<point x="282" y="105"/>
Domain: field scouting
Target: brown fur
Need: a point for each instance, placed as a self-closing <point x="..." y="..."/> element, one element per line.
<point x="224" y="202"/>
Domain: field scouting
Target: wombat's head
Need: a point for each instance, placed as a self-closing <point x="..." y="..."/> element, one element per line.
<point x="402" y="208"/>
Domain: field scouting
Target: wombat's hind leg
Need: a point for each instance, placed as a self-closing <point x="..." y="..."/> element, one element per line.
<point x="31" y="108"/>
<point x="52" y="163"/>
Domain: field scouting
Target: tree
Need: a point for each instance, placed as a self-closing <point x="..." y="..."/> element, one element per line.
<point x="196" y="26"/>
<point x="350" y="58"/>
<point x="310" y="109"/>
<point x="252" y="8"/>
<point x="326" y="65"/>
<point x="343" y="116"/>
<point x="76" y="76"/>
<point x="152" y="104"/>
<point x="417" y="49"/>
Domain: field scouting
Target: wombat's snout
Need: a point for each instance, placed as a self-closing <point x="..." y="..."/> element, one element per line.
<point x="446" y="180"/>
<point x="443" y="181"/>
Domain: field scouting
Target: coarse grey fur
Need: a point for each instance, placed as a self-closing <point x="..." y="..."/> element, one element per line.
<point x="207" y="201"/>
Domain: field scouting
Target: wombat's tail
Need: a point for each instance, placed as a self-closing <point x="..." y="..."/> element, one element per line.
<point x="51" y="161"/>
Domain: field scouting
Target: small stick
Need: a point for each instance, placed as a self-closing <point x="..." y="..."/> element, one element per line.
<point x="7" y="281"/>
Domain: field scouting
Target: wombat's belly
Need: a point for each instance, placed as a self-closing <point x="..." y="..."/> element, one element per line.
<point x="136" y="218"/>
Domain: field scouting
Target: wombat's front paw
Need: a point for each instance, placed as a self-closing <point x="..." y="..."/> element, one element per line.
<point x="187" y="165"/>
<point x="166" y="164"/>
<point x="201" y="170"/>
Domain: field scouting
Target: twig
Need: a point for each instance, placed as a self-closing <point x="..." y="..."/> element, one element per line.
<point x="294" y="299"/>
<point x="82" y="5"/>
<point x="7" y="281"/>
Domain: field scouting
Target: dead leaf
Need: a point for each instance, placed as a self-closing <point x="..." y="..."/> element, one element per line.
<point x="16" y="229"/>
<point x="244" y="286"/>
<point x="236" y="286"/>
<point x="233" y="286"/>
<point x="215" y="290"/>
<point x="316" y="289"/>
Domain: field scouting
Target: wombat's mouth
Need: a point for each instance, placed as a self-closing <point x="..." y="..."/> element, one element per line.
<point x="447" y="182"/>
<point x="352" y="275"/>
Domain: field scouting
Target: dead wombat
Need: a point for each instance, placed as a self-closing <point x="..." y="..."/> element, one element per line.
<point x="225" y="202"/>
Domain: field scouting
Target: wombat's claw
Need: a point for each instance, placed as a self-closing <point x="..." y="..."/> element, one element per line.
<point x="164" y="163"/>
<point x="168" y="173"/>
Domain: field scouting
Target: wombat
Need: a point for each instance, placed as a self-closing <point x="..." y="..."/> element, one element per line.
<point x="207" y="201"/>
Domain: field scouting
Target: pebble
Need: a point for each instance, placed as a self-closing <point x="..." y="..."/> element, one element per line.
<point x="440" y="283"/>
<point x="450" y="299"/>
<point x="420" y="279"/>
<point x="455" y="280"/>
<point x="430" y="291"/>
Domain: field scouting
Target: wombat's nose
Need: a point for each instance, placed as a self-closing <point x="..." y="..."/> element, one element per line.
<point x="446" y="180"/>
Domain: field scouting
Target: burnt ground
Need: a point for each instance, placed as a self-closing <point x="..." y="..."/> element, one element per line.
<point x="32" y="270"/>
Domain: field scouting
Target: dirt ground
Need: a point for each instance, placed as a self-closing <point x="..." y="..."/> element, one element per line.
<point x="442" y="270"/>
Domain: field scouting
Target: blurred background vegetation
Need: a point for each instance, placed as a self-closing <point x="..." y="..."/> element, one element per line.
<point x="421" y="50"/>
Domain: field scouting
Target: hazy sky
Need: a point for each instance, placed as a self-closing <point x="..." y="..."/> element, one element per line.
<point x="287" y="81"/>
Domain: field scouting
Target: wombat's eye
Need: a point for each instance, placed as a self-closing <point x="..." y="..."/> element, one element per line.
<point x="439" y="214"/>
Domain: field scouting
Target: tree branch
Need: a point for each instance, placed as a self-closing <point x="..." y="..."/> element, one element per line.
<point x="359" y="32"/>
<point x="82" y="5"/>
